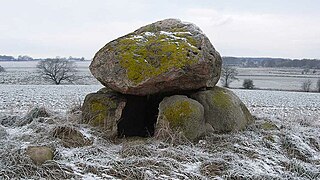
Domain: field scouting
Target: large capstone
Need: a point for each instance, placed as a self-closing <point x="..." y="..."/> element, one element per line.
<point x="164" y="56"/>
<point x="121" y="115"/>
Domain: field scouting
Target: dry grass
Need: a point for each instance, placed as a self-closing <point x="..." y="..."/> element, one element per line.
<point x="214" y="168"/>
<point x="70" y="136"/>
<point x="16" y="165"/>
<point x="289" y="152"/>
<point x="74" y="113"/>
<point x="301" y="169"/>
<point x="166" y="134"/>
<point x="141" y="151"/>
<point x="150" y="168"/>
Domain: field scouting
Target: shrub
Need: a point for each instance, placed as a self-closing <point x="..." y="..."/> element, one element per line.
<point x="2" y="69"/>
<point x="248" y="84"/>
<point x="306" y="85"/>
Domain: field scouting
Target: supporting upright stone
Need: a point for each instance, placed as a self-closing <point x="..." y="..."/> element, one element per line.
<point x="103" y="109"/>
<point x="180" y="113"/>
<point x="223" y="110"/>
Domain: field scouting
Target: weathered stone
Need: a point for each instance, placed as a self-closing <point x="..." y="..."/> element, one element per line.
<point x="167" y="55"/>
<point x="39" y="154"/>
<point x="104" y="110"/>
<point x="183" y="114"/>
<point x="223" y="109"/>
<point x="71" y="137"/>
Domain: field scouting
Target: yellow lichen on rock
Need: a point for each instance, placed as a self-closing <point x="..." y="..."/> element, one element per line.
<point x="156" y="58"/>
<point x="178" y="112"/>
<point x="221" y="99"/>
<point x="103" y="109"/>
<point x="100" y="112"/>
<point x="182" y="114"/>
<point x="147" y="56"/>
<point x="223" y="109"/>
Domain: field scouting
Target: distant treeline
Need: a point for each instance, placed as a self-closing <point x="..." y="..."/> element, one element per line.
<point x="271" y="62"/>
<point x="28" y="58"/>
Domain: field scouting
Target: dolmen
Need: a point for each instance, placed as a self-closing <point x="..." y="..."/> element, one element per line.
<point x="162" y="76"/>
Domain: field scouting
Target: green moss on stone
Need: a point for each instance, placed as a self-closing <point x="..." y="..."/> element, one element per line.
<point x="221" y="99"/>
<point x="178" y="112"/>
<point x="100" y="111"/>
<point x="246" y="112"/>
<point x="147" y="56"/>
<point x="178" y="29"/>
<point x="269" y="126"/>
<point x="151" y="28"/>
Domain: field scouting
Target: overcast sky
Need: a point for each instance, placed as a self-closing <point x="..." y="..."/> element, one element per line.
<point x="250" y="28"/>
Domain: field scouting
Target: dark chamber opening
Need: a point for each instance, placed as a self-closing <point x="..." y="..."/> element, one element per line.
<point x="139" y="116"/>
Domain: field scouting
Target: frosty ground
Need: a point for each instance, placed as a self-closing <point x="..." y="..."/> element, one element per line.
<point x="283" y="143"/>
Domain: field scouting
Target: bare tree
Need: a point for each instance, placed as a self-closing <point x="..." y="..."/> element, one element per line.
<point x="318" y="85"/>
<point x="306" y="85"/>
<point x="228" y="74"/>
<point x="57" y="70"/>
<point x="305" y="71"/>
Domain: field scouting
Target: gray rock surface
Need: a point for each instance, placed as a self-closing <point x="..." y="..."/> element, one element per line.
<point x="223" y="110"/>
<point x="103" y="109"/>
<point x="70" y="137"/>
<point x="181" y="113"/>
<point x="39" y="154"/>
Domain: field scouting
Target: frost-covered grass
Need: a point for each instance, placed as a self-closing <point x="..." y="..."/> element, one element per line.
<point x="283" y="143"/>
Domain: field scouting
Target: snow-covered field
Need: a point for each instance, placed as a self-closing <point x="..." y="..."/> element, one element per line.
<point x="283" y="143"/>
<point x="18" y="99"/>
<point x="276" y="78"/>
<point x="282" y="105"/>
<point x="264" y="78"/>
<point x="25" y="73"/>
